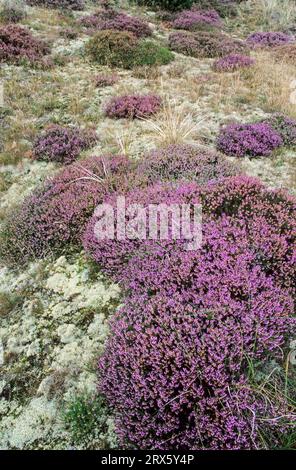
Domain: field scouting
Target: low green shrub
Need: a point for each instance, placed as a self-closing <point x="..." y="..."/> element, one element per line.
<point x="121" y="49"/>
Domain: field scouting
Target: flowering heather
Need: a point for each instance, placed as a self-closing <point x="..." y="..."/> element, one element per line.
<point x="58" y="4"/>
<point x="232" y="62"/>
<point x="175" y="366"/>
<point x="284" y="126"/>
<point x="17" y="44"/>
<point x="193" y="20"/>
<point x="252" y="140"/>
<point x="268" y="218"/>
<point x="102" y="80"/>
<point x="205" y="44"/>
<point x="57" y="213"/>
<point x="109" y="19"/>
<point x="186" y="163"/>
<point x="13" y="11"/>
<point x="132" y="106"/>
<point x="268" y="39"/>
<point x="62" y="144"/>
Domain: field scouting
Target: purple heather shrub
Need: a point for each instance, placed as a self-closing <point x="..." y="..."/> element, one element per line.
<point x="284" y="126"/>
<point x="104" y="80"/>
<point x="205" y="44"/>
<point x="193" y="20"/>
<point x="252" y="140"/>
<point x="232" y="62"/>
<point x="56" y="213"/>
<point x="267" y="218"/>
<point x="109" y="19"/>
<point x="268" y="39"/>
<point x="62" y="144"/>
<point x="132" y="106"/>
<point x="184" y="163"/>
<point x="17" y="44"/>
<point x="175" y="367"/>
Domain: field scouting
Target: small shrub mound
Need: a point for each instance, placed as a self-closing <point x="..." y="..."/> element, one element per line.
<point x="123" y="49"/>
<point x="109" y="19"/>
<point x="112" y="48"/>
<point x="268" y="39"/>
<point x="205" y="44"/>
<point x="171" y="5"/>
<point x="184" y="163"/>
<point x="252" y="140"/>
<point x="175" y="369"/>
<point x="56" y="214"/>
<point x="18" y="45"/>
<point x="103" y="80"/>
<point x="232" y="62"/>
<point x="75" y="5"/>
<point x="132" y="106"/>
<point x="13" y="11"/>
<point x="267" y="218"/>
<point x="148" y="53"/>
<point x="194" y="20"/>
<point x="62" y="144"/>
<point x="284" y="126"/>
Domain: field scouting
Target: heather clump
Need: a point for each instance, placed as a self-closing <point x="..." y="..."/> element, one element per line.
<point x="233" y="62"/>
<point x="112" y="48"/>
<point x="205" y="44"/>
<point x="62" y="144"/>
<point x="267" y="217"/>
<point x="184" y="163"/>
<point x="123" y="49"/>
<point x="132" y="106"/>
<point x="180" y="350"/>
<point x="267" y="39"/>
<point x="109" y="19"/>
<point x="194" y="20"/>
<point x="248" y="140"/>
<point x="18" y="45"/>
<point x="284" y="126"/>
<point x="56" y="214"/>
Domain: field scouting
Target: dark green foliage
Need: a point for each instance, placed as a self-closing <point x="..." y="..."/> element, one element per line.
<point x="86" y="419"/>
<point x="172" y="5"/>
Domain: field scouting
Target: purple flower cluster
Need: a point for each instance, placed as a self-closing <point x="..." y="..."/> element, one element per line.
<point x="267" y="216"/>
<point x="175" y="367"/>
<point x="252" y="140"/>
<point x="193" y="20"/>
<point x="17" y="44"/>
<point x="268" y="39"/>
<point x="205" y="44"/>
<point x="62" y="144"/>
<point x="132" y="106"/>
<point x="184" y="163"/>
<point x="56" y="214"/>
<point x="232" y="62"/>
<point x="103" y="79"/>
<point x="109" y="19"/>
